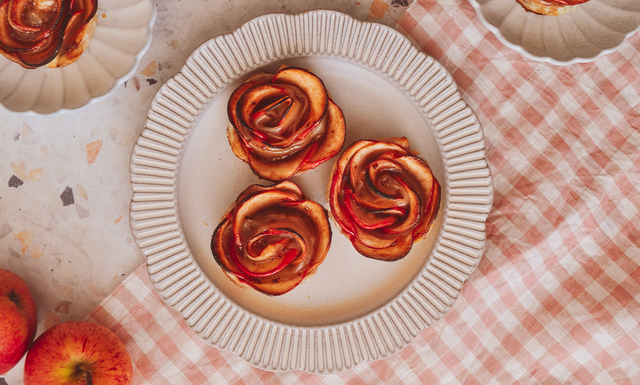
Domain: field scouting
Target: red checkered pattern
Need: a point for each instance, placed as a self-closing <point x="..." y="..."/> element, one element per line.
<point x="555" y="299"/>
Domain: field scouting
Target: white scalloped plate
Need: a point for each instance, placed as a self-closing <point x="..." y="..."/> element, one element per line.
<point x="589" y="31"/>
<point x="122" y="36"/>
<point x="185" y="176"/>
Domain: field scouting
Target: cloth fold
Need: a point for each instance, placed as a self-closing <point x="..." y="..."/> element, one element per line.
<point x="555" y="298"/>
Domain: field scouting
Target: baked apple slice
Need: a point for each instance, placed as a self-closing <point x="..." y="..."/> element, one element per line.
<point x="284" y="124"/>
<point x="272" y="239"/>
<point x="383" y="197"/>
<point x="550" y="7"/>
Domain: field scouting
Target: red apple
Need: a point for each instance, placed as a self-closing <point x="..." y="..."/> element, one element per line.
<point x="77" y="353"/>
<point x="18" y="321"/>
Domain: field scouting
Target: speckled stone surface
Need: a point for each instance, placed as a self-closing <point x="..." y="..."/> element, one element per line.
<point x="65" y="191"/>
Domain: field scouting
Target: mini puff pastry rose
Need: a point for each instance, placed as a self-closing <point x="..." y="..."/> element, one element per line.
<point x="383" y="197"/>
<point x="272" y="239"/>
<point x="284" y="124"/>
<point x="35" y="33"/>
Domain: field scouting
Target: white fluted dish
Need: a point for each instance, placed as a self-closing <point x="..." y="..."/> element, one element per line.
<point x="121" y="37"/>
<point x="589" y="31"/>
<point x="185" y="176"/>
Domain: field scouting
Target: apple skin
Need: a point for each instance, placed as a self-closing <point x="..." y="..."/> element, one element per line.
<point x="78" y="353"/>
<point x="19" y="319"/>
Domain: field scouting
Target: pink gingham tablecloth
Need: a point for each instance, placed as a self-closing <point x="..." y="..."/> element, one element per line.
<point x="555" y="299"/>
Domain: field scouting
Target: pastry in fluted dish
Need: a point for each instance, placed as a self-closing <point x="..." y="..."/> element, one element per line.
<point x="550" y="7"/>
<point x="272" y="239"/>
<point x="284" y="124"/>
<point x="383" y="197"/>
<point x="53" y="33"/>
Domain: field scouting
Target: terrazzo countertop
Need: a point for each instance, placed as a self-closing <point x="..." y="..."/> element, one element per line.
<point x="64" y="204"/>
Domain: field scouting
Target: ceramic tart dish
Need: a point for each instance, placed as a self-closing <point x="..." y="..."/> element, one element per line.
<point x="184" y="176"/>
<point x="122" y="35"/>
<point x="590" y="30"/>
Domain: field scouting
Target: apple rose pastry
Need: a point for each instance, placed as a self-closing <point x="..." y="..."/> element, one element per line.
<point x="383" y="197"/>
<point x="284" y="124"/>
<point x="34" y="33"/>
<point x="550" y="7"/>
<point x="272" y="239"/>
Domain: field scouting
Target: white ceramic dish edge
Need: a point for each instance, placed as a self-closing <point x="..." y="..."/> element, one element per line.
<point x="180" y="281"/>
<point x="518" y="10"/>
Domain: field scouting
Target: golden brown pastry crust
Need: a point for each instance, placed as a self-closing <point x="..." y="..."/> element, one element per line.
<point x="69" y="56"/>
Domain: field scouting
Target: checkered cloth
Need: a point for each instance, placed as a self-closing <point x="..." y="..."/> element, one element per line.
<point x="555" y="299"/>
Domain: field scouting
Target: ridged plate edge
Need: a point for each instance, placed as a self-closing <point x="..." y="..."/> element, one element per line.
<point x="600" y="26"/>
<point x="178" y="278"/>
